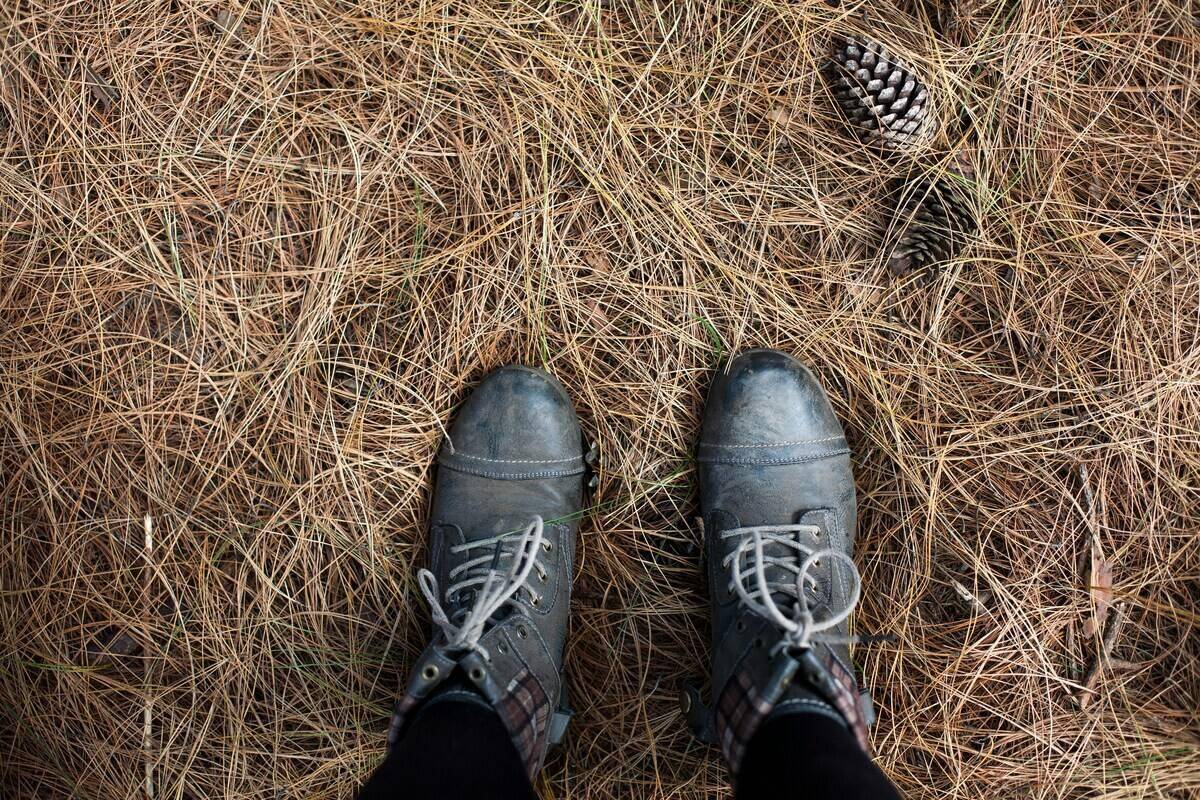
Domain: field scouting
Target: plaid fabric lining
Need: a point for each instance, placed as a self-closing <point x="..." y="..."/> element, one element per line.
<point x="846" y="698"/>
<point x="525" y="709"/>
<point x="739" y="712"/>
<point x="741" y="708"/>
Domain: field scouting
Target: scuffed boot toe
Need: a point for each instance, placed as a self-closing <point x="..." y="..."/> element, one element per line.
<point x="517" y="424"/>
<point x="767" y="408"/>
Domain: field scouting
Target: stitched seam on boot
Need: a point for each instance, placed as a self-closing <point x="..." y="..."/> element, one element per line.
<point x="460" y="454"/>
<point x="781" y="460"/>
<point x="773" y="444"/>
<point x="483" y="473"/>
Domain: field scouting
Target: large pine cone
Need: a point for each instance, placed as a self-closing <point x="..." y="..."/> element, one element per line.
<point x="935" y="219"/>
<point x="884" y="100"/>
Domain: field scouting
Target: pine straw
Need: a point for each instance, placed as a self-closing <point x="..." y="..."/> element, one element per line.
<point x="254" y="256"/>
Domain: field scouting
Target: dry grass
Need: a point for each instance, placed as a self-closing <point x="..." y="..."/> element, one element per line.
<point x="254" y="255"/>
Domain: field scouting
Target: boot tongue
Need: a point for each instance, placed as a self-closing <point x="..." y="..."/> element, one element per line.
<point x="514" y="524"/>
<point x="782" y="575"/>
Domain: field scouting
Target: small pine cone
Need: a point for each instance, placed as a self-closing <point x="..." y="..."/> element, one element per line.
<point x="937" y="220"/>
<point x="884" y="100"/>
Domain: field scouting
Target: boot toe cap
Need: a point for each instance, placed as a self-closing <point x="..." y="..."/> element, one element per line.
<point x="767" y="408"/>
<point x="519" y="422"/>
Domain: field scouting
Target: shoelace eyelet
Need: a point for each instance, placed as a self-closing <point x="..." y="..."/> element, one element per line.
<point x="430" y="672"/>
<point x="547" y="546"/>
<point x="522" y="632"/>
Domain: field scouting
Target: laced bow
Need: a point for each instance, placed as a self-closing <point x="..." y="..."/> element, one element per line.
<point x="758" y="594"/>
<point x="496" y="586"/>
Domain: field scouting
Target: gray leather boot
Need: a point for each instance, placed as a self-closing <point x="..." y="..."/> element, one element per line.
<point x="777" y="498"/>
<point x="506" y="507"/>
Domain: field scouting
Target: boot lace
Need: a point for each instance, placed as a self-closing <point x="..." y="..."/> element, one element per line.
<point x="490" y="583"/>
<point x="784" y="601"/>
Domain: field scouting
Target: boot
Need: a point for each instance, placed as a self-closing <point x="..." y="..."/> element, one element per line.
<point x="506" y="507"/>
<point x="777" y="499"/>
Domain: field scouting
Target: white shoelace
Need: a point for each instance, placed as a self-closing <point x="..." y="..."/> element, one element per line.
<point x="800" y="628"/>
<point x="495" y="587"/>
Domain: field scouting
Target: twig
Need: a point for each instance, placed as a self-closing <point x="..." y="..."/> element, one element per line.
<point x="1087" y="494"/>
<point x="1072" y="661"/>
<point x="1115" y="622"/>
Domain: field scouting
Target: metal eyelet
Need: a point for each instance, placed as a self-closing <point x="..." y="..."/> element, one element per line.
<point x="758" y="642"/>
<point x="501" y="648"/>
<point x="543" y="577"/>
<point x="547" y="546"/>
<point x="476" y="674"/>
<point x="522" y="632"/>
<point x="536" y="600"/>
<point x="741" y="625"/>
<point x="430" y="672"/>
<point x="816" y="562"/>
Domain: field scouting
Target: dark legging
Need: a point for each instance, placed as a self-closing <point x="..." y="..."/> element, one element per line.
<point x="461" y="750"/>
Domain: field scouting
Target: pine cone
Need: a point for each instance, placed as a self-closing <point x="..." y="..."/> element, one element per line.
<point x="884" y="101"/>
<point x="937" y="220"/>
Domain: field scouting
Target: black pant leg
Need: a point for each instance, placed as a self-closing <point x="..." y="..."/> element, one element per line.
<point x="809" y="757"/>
<point x="453" y="750"/>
